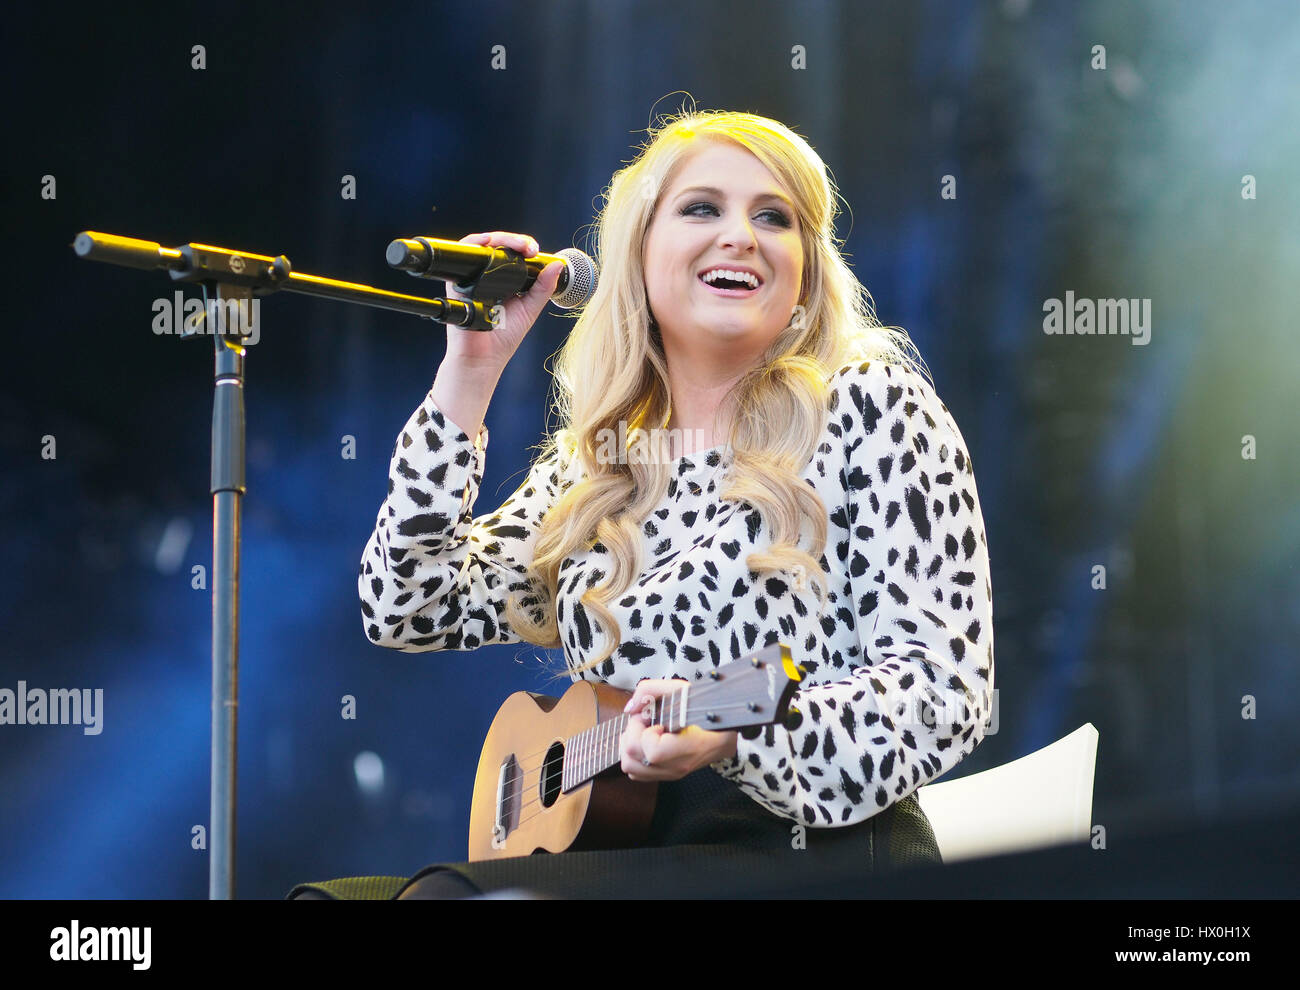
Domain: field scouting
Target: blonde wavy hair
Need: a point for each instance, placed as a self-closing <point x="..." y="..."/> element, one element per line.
<point x="611" y="368"/>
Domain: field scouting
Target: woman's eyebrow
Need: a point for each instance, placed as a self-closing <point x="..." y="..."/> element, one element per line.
<point x="714" y="191"/>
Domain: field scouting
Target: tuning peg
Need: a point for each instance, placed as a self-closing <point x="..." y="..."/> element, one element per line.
<point x="793" y="718"/>
<point x="751" y="732"/>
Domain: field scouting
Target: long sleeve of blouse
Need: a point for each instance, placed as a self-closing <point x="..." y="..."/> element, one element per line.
<point x="434" y="577"/>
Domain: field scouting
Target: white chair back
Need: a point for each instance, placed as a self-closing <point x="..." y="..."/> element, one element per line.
<point x="1043" y="799"/>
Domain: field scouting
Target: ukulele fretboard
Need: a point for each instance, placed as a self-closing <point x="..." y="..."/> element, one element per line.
<point x="596" y="749"/>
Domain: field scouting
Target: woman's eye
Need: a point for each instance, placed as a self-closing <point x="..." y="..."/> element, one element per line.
<point x="774" y="216"/>
<point x="690" y="210"/>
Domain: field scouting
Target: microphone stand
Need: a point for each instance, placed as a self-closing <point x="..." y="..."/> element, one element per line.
<point x="237" y="276"/>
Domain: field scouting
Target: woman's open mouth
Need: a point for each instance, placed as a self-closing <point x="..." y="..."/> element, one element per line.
<point x="731" y="286"/>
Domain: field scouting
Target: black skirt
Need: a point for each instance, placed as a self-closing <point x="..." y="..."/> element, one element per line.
<point x="707" y="839"/>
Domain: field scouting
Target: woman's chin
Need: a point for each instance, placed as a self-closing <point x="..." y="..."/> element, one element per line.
<point x="722" y="326"/>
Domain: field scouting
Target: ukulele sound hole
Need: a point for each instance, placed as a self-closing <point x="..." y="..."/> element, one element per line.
<point x="552" y="774"/>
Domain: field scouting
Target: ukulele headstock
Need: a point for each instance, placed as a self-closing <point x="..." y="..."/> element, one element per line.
<point x="747" y="694"/>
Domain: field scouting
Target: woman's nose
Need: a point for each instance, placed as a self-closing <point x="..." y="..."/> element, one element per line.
<point x="737" y="234"/>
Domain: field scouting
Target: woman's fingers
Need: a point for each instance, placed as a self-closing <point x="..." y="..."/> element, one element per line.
<point x="543" y="288"/>
<point x="642" y="737"/>
<point x="640" y="742"/>
<point x="546" y="281"/>
<point x="515" y="315"/>
<point x="522" y="243"/>
<point x="630" y="748"/>
<point x="649" y="742"/>
<point x="646" y="690"/>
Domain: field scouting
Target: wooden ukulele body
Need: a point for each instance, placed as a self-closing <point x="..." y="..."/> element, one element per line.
<point x="518" y="780"/>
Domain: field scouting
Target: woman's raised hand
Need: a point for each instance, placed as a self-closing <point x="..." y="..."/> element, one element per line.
<point x="492" y="349"/>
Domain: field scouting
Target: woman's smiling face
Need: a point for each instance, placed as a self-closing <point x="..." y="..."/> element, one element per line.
<point x="723" y="210"/>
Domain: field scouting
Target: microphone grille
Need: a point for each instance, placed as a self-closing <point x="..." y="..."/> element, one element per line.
<point x="582" y="279"/>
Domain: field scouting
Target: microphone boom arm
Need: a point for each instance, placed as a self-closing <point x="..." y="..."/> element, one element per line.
<point x="264" y="275"/>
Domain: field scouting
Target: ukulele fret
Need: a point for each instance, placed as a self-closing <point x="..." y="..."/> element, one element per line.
<point x="586" y="751"/>
<point x="591" y="751"/>
<point x="586" y="754"/>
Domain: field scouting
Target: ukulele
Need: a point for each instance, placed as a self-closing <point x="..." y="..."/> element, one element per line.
<point x="549" y="778"/>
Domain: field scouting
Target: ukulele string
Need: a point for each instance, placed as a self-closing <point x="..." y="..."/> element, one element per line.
<point x="568" y="743"/>
<point x="526" y="765"/>
<point x="526" y="770"/>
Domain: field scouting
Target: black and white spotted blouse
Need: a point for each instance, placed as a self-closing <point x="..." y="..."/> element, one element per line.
<point x="900" y="663"/>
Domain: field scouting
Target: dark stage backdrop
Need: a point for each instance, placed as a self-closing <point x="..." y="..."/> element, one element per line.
<point x="993" y="156"/>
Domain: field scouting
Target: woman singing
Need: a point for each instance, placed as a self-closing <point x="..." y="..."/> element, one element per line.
<point x="794" y="478"/>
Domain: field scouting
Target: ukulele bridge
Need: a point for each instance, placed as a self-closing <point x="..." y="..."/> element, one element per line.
<point x="506" y="809"/>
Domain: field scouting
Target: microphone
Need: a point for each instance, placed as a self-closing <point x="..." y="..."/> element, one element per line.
<point x="492" y="273"/>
